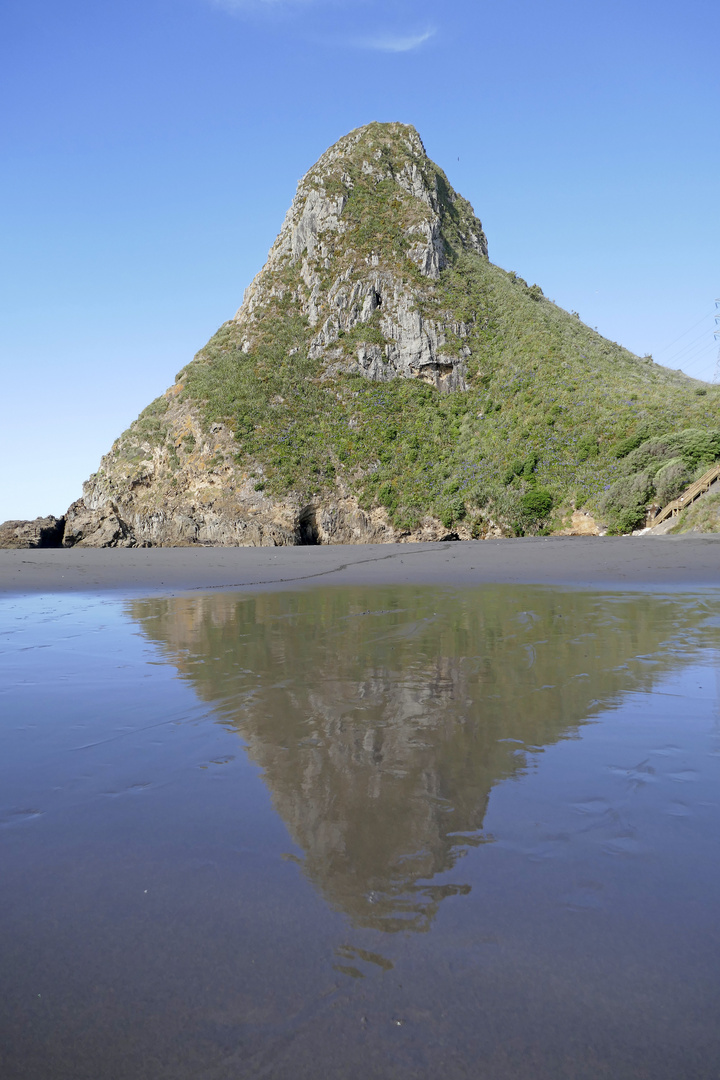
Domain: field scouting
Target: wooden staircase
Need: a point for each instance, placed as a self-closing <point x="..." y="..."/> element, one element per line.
<point x="693" y="492"/>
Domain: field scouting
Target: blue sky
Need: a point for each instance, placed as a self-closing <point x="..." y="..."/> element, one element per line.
<point x="150" y="150"/>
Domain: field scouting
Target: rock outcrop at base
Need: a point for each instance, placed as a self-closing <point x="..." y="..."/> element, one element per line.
<point x="43" y="532"/>
<point x="255" y="523"/>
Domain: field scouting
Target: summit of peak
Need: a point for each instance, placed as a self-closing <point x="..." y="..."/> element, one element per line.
<point x="379" y="135"/>
<point x="495" y="406"/>
<point x="372" y="224"/>
<point x="383" y="149"/>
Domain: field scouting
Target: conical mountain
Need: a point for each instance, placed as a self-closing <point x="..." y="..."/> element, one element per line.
<point x="382" y="380"/>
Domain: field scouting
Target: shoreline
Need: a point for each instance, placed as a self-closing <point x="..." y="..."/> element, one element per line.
<point x="660" y="562"/>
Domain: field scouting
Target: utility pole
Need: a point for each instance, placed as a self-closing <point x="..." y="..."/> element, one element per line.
<point x="716" y="335"/>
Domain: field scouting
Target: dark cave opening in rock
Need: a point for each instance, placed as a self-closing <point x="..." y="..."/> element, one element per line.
<point x="307" y="529"/>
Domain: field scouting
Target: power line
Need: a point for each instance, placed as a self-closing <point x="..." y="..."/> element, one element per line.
<point x="685" y="348"/>
<point x="705" y="345"/>
<point x="697" y="350"/>
<point x="688" y="331"/>
<point x="700" y="353"/>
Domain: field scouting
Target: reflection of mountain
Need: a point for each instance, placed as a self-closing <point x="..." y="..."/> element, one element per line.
<point x="383" y="717"/>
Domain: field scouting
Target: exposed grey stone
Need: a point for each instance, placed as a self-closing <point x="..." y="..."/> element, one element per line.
<point x="416" y="347"/>
<point x="43" y="532"/>
<point x="162" y="493"/>
<point x="85" y="527"/>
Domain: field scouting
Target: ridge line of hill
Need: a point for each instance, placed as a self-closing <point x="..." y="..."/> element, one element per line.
<point x="384" y="381"/>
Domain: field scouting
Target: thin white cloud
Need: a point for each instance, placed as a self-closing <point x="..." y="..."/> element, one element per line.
<point x="396" y="43"/>
<point x="388" y="41"/>
<point x="237" y="6"/>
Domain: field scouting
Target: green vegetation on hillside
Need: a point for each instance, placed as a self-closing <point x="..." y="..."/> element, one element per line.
<point x="702" y="516"/>
<point x="552" y="408"/>
<point x="554" y="416"/>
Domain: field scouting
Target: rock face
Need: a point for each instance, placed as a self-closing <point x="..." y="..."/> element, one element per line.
<point x="189" y="490"/>
<point x="312" y="236"/>
<point x="583" y="524"/>
<point x="382" y="381"/>
<point x="43" y="532"/>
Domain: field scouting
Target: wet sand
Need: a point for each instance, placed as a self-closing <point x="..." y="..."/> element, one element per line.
<point x="614" y="562"/>
<point x="360" y="832"/>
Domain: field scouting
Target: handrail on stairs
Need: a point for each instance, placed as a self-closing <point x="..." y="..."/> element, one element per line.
<point x="699" y="487"/>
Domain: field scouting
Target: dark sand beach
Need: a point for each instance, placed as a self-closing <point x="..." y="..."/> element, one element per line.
<point x="362" y="812"/>
<point x="614" y="562"/>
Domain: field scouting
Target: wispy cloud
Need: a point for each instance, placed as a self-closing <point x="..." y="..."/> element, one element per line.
<point x="239" y="6"/>
<point x="388" y="41"/>
<point x="396" y="43"/>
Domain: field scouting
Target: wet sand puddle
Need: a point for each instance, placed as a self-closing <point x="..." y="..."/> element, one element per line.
<point x="360" y="832"/>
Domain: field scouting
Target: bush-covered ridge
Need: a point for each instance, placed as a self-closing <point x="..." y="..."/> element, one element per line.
<point x="544" y="388"/>
<point x="554" y="416"/>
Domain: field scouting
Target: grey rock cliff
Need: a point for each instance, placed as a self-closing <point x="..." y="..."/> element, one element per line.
<point x="384" y="381"/>
<point x="415" y="345"/>
<point x="189" y="488"/>
<point x="43" y="532"/>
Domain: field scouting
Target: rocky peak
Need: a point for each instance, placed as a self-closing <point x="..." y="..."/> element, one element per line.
<point x="372" y="225"/>
<point x="277" y="432"/>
